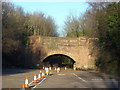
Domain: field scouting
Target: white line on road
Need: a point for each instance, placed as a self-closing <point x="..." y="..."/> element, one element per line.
<point x="103" y="80"/>
<point x="39" y="83"/>
<point x="60" y="74"/>
<point x="30" y="83"/>
<point x="97" y="80"/>
<point x="79" y="78"/>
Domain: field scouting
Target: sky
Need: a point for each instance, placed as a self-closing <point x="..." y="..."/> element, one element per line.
<point x="57" y="10"/>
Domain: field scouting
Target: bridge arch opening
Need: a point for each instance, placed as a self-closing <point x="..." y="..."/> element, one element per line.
<point x="59" y="60"/>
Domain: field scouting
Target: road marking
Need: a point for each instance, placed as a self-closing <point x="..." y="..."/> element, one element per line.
<point x="30" y="83"/>
<point x="39" y="83"/>
<point x="97" y="79"/>
<point x="79" y="78"/>
<point x="61" y="74"/>
<point x="104" y="80"/>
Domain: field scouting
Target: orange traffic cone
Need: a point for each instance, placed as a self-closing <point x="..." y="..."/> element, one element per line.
<point x="35" y="78"/>
<point x="39" y="76"/>
<point x="26" y="83"/>
<point x="40" y="72"/>
<point x="74" y="69"/>
<point x="23" y="85"/>
<point x="50" y="68"/>
<point x="43" y="75"/>
<point x="43" y="68"/>
<point x="55" y="69"/>
<point x="65" y="68"/>
<point x="58" y="69"/>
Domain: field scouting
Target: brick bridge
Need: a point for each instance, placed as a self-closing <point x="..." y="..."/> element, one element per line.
<point x="79" y="49"/>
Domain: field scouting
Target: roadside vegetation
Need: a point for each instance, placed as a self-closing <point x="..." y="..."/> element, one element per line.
<point x="17" y="26"/>
<point x="100" y="21"/>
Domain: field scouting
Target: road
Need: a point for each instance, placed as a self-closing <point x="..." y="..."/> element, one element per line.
<point x="63" y="79"/>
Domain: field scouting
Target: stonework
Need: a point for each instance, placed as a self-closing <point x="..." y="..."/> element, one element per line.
<point x="79" y="49"/>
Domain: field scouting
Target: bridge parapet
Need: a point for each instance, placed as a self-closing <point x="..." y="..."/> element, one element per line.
<point x="51" y="41"/>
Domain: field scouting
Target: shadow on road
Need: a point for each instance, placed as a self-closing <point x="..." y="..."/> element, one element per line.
<point x="107" y="81"/>
<point x="10" y="71"/>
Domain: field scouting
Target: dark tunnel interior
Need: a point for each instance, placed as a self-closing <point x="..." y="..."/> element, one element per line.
<point x="59" y="60"/>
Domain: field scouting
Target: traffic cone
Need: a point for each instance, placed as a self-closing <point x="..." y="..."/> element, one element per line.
<point x="35" y="78"/>
<point x="47" y="71"/>
<point x="43" y="68"/>
<point x="59" y="69"/>
<point x="55" y="69"/>
<point x="26" y="83"/>
<point x="50" y="68"/>
<point x="65" y="68"/>
<point x="43" y="75"/>
<point x="23" y="85"/>
<point x="74" y="69"/>
<point x="39" y="76"/>
<point x="40" y="72"/>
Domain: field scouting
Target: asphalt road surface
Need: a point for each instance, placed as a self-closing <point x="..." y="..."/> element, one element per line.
<point x="14" y="78"/>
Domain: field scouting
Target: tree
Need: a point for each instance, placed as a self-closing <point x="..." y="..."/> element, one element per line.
<point x="72" y="27"/>
<point x="38" y="24"/>
<point x="17" y="26"/>
<point x="108" y="32"/>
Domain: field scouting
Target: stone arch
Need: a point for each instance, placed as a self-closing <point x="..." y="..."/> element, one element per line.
<point x="49" y="56"/>
<point x="60" y="53"/>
